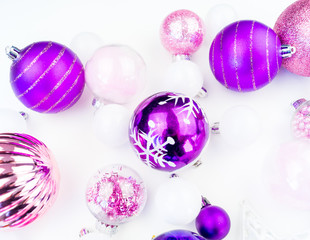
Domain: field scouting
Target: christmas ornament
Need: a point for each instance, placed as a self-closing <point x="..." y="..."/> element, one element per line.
<point x="178" y="201"/>
<point x="29" y="179"/>
<point x="179" y="235"/>
<point x="168" y="131"/>
<point x="254" y="227"/>
<point x="46" y="77"/>
<point x="212" y="222"/>
<point x="246" y="55"/>
<point x="292" y="28"/>
<point x="286" y="174"/>
<point x="111" y="124"/>
<point x="182" y="34"/>
<point x="239" y="126"/>
<point x="85" y="44"/>
<point x="115" y="195"/>
<point x="219" y="16"/>
<point x="115" y="73"/>
<point x="301" y="119"/>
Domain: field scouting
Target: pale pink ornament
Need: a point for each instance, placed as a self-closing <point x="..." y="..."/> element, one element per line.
<point x="287" y="174"/>
<point x="115" y="73"/>
<point x="182" y="32"/>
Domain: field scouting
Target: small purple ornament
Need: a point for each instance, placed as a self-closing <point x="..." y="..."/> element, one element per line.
<point x="212" y="222"/>
<point x="245" y="56"/>
<point x="46" y="77"/>
<point x="179" y="235"/>
<point x="168" y="131"/>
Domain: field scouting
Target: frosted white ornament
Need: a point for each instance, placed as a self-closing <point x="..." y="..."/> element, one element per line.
<point x="218" y="17"/>
<point x="240" y="126"/>
<point x="111" y="124"/>
<point x="12" y="121"/>
<point x="183" y="76"/>
<point x="85" y="44"/>
<point x="178" y="201"/>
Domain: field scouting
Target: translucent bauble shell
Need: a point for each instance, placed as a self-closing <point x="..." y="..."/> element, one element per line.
<point x="28" y="179"/>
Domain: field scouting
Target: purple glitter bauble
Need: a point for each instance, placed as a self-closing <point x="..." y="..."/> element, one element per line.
<point x="213" y="222"/>
<point x="245" y="56"/>
<point x="293" y="28"/>
<point x="47" y="77"/>
<point x="168" y="131"/>
<point x="29" y="180"/>
<point x="179" y="235"/>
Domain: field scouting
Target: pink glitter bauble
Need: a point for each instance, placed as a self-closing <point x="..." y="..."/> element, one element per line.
<point x="182" y="32"/>
<point x="115" y="194"/>
<point x="29" y="179"/>
<point x="301" y="121"/>
<point x="293" y="28"/>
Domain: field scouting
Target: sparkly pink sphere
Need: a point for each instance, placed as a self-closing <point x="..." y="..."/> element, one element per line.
<point x="182" y="32"/>
<point x="29" y="179"/>
<point x="301" y="121"/>
<point x="115" y="194"/>
<point x="116" y="73"/>
<point x="293" y="28"/>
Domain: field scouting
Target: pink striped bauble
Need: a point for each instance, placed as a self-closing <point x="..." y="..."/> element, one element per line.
<point x="47" y="77"/>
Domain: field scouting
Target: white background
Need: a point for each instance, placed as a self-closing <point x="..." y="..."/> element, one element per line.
<point x="228" y="175"/>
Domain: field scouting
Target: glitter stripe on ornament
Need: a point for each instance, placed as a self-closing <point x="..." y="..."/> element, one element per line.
<point x="58" y="84"/>
<point x="66" y="93"/>
<point x="235" y="57"/>
<point x="33" y="61"/>
<point x="51" y="66"/>
<point x="251" y="54"/>
<point x="222" y="60"/>
<point x="22" y="56"/>
<point x="267" y="54"/>
<point x="213" y="69"/>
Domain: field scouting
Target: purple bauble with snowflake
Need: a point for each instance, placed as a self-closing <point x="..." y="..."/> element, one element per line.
<point x="245" y="56"/>
<point x="179" y="235"/>
<point x="46" y="77"/>
<point x="169" y="131"/>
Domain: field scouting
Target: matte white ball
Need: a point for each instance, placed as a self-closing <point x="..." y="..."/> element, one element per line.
<point x="12" y="121"/>
<point x="183" y="76"/>
<point x="178" y="201"/>
<point x="111" y="124"/>
<point x="85" y="44"/>
<point x="218" y="17"/>
<point x="240" y="126"/>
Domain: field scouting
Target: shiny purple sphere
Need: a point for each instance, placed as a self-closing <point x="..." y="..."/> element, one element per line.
<point x="168" y="131"/>
<point x="245" y="56"/>
<point x="179" y="235"/>
<point x="213" y="222"/>
<point x="47" y="77"/>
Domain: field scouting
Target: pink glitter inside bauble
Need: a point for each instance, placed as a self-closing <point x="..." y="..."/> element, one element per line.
<point x="182" y="32"/>
<point x="293" y="28"/>
<point x="301" y="121"/>
<point x="115" y="194"/>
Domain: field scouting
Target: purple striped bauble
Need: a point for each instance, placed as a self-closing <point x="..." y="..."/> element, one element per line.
<point x="47" y="77"/>
<point x="245" y="56"/>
